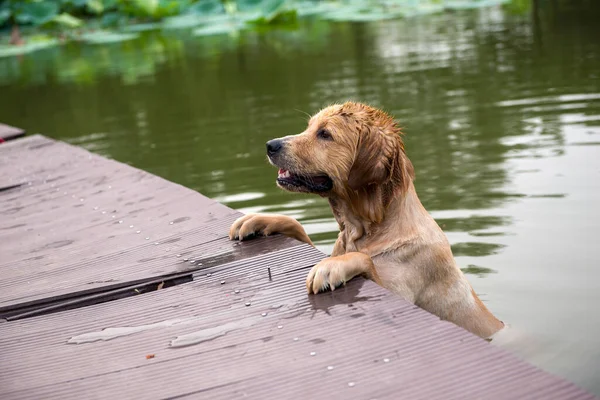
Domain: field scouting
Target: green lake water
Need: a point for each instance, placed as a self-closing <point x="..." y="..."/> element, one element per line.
<point x="502" y="122"/>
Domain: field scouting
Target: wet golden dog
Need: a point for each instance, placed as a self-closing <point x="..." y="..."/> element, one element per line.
<point x="353" y="155"/>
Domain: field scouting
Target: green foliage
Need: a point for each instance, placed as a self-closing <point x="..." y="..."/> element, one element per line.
<point x="206" y="7"/>
<point x="34" y="43"/>
<point x="5" y="13"/>
<point x="113" y="19"/>
<point x="212" y="17"/>
<point x="152" y="9"/>
<point x="518" y="7"/>
<point x="95" y="6"/>
<point x="66" y="20"/>
<point x="39" y="13"/>
<point x="282" y="17"/>
<point x="34" y="12"/>
<point x="103" y="37"/>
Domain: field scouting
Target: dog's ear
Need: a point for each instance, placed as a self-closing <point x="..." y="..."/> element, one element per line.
<point x="380" y="159"/>
<point x="370" y="165"/>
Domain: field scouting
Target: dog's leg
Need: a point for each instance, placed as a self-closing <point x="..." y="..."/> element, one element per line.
<point x="332" y="272"/>
<point x="260" y="224"/>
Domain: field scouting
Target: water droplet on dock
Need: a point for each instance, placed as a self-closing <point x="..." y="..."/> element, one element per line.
<point x="386" y="360"/>
<point x="313" y="353"/>
<point x="279" y="326"/>
<point x="329" y="368"/>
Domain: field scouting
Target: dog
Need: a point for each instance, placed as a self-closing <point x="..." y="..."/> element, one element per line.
<point x="353" y="155"/>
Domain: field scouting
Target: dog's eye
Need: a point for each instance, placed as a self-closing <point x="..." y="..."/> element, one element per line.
<point x="323" y="134"/>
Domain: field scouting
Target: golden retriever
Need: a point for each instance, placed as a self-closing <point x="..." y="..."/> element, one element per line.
<point x="353" y="155"/>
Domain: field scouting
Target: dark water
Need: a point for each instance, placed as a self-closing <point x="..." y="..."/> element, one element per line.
<point x="502" y="115"/>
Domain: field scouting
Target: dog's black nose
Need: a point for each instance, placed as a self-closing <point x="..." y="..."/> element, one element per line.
<point x="273" y="146"/>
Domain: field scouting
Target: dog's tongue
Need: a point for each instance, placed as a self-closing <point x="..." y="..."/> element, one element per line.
<point x="283" y="173"/>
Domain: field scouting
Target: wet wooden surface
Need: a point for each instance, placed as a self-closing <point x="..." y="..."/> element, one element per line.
<point x="79" y="224"/>
<point x="69" y="224"/>
<point x="8" y="132"/>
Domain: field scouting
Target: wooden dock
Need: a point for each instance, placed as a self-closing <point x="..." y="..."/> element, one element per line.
<point x="118" y="284"/>
<point x="8" y="132"/>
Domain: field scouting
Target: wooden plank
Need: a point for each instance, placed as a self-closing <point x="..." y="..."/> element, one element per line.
<point x="8" y="132"/>
<point x="236" y="330"/>
<point x="72" y="226"/>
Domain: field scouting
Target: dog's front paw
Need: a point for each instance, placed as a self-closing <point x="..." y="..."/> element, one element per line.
<point x="329" y="273"/>
<point x="251" y="225"/>
<point x="245" y="227"/>
<point x="262" y="224"/>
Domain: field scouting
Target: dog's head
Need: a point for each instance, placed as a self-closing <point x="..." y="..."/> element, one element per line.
<point x="346" y="150"/>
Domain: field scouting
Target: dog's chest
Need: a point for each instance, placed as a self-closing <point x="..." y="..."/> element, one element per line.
<point x="353" y="237"/>
<point x="354" y="233"/>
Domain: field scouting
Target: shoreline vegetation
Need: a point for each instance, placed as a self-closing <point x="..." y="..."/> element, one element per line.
<point x="31" y="25"/>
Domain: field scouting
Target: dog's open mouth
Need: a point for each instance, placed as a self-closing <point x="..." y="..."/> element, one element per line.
<point x="295" y="182"/>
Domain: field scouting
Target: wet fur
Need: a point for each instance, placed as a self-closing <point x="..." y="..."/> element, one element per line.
<point x="385" y="232"/>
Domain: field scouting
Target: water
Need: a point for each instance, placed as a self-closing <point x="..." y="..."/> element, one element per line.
<point x="501" y="112"/>
<point x="213" y="332"/>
